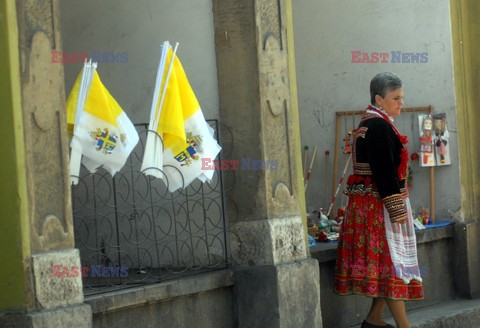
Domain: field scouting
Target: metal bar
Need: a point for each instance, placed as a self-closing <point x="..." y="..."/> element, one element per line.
<point x="220" y="175"/>
<point x="95" y="216"/>
<point x="116" y="223"/>
<point x="175" y="229"/>
<point x="190" y="228"/>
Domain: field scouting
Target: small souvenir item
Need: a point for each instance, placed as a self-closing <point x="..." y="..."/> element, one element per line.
<point x="309" y="220"/>
<point x="340" y="215"/>
<point x="324" y="222"/>
<point x="313" y="231"/>
<point x="333" y="236"/>
<point x="427" y="157"/>
<point x="442" y="147"/>
<point x="424" y="216"/>
<point x="418" y="224"/>
<point x="348" y="146"/>
<point x="335" y="228"/>
<point x="322" y="236"/>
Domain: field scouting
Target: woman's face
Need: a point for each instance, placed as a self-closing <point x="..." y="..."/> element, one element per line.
<point x="392" y="102"/>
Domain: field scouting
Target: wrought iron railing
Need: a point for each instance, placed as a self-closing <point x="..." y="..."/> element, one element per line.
<point x="131" y="230"/>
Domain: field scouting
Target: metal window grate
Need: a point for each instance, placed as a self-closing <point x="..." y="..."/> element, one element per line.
<point x="132" y="231"/>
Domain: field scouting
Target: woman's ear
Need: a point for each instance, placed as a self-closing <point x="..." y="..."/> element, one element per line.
<point x="378" y="100"/>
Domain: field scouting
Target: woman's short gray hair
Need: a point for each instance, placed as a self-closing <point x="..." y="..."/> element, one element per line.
<point x="382" y="83"/>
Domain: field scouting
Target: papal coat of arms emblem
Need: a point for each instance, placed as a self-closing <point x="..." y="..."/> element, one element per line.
<point x="106" y="141"/>
<point x="189" y="154"/>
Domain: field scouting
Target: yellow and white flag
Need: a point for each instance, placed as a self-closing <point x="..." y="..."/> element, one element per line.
<point x="187" y="138"/>
<point x="102" y="132"/>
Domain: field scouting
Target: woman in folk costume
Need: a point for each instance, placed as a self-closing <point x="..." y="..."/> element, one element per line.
<point x="377" y="251"/>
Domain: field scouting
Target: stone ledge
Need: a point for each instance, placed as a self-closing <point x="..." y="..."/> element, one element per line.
<point x="452" y="313"/>
<point x="433" y="234"/>
<point x="78" y="316"/>
<point x="116" y="300"/>
<point x="326" y="252"/>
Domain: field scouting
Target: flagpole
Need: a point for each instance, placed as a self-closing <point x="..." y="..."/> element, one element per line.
<point x="79" y="108"/>
<point x="164" y="91"/>
<point x="158" y="81"/>
<point x="152" y="163"/>
<point x="76" y="154"/>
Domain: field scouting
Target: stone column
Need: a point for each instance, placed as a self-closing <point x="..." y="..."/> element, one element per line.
<point x="466" y="46"/>
<point x="276" y="284"/>
<point x="38" y="230"/>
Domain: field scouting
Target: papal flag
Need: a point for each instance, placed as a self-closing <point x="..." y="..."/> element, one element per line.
<point x="187" y="137"/>
<point x="103" y="135"/>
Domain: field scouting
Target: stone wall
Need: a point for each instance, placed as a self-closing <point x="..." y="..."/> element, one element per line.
<point x="201" y="301"/>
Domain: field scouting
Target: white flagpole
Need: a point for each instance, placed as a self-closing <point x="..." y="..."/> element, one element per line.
<point x="76" y="153"/>
<point x="159" y="143"/>
<point x="79" y="107"/>
<point x="152" y="163"/>
<point x="152" y="149"/>
<point x="158" y="81"/>
<point x="164" y="91"/>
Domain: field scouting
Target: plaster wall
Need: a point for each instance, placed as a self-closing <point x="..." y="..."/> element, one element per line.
<point x="138" y="28"/>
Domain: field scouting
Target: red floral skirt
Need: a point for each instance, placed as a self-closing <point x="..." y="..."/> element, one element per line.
<point x="364" y="265"/>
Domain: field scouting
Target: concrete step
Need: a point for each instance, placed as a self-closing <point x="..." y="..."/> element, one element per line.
<point x="458" y="313"/>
